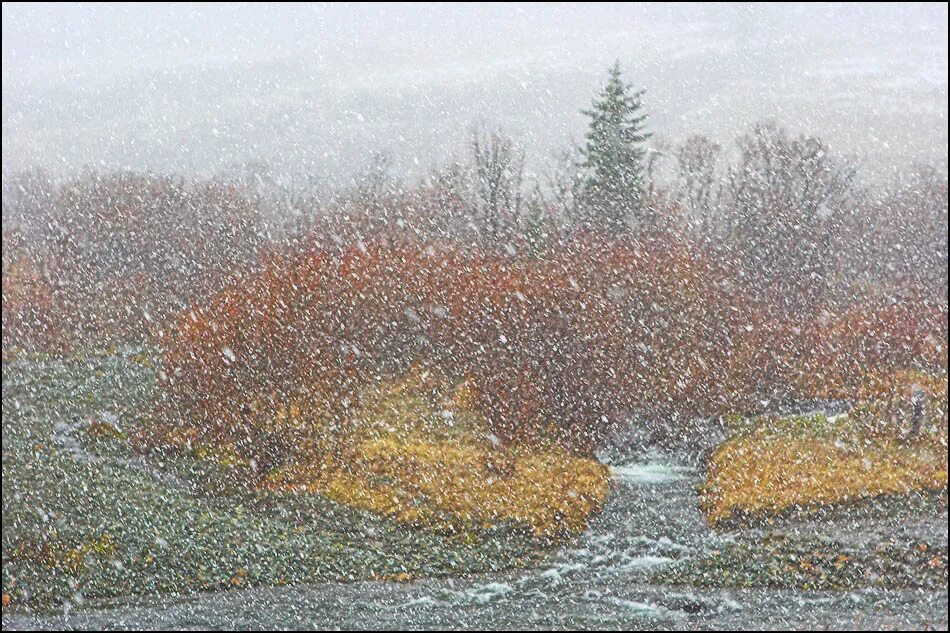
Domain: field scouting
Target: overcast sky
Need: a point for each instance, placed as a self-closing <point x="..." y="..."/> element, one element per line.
<point x="319" y="88"/>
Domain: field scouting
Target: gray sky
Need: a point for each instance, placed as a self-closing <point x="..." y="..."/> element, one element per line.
<point x="319" y="88"/>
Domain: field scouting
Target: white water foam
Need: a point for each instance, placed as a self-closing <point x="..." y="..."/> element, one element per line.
<point x="649" y="473"/>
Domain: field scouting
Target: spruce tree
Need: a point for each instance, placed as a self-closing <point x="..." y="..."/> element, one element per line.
<point x="613" y="157"/>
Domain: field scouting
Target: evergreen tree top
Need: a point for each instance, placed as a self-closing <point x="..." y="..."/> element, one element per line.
<point x="614" y="156"/>
<point x="615" y="114"/>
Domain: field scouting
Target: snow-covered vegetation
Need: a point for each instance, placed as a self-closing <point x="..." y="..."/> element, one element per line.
<point x="241" y="380"/>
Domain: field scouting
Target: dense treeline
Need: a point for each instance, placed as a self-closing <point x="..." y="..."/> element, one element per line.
<point x="556" y="347"/>
<point x="108" y="258"/>
<point x="674" y="283"/>
<point x="113" y="255"/>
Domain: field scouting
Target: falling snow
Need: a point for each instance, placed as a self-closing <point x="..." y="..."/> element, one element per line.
<point x="475" y="316"/>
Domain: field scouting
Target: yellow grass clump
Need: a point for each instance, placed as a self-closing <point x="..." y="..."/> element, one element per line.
<point x="765" y="472"/>
<point x="430" y="463"/>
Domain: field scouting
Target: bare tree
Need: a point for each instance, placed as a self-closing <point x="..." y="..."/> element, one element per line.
<point x="564" y="187"/>
<point x="785" y="196"/>
<point x="377" y="185"/>
<point x="698" y="182"/>
<point x="497" y="182"/>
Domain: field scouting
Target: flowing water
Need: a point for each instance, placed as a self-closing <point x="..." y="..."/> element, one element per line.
<point x="601" y="581"/>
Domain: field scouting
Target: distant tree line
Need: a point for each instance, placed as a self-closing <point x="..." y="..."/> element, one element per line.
<point x="783" y="209"/>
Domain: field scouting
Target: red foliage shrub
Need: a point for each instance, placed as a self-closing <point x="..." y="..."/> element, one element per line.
<point x="109" y="258"/>
<point x="28" y="308"/>
<point x="554" y="346"/>
<point x="851" y="351"/>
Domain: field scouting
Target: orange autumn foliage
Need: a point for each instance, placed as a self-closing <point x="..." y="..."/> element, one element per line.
<point x="553" y="346"/>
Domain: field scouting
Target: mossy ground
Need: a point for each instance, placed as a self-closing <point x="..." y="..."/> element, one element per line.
<point x="808" y="564"/>
<point x="88" y="519"/>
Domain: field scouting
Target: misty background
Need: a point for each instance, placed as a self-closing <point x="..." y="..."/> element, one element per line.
<point x="319" y="89"/>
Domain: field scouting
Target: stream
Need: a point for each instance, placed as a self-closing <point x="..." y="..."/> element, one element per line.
<point x="600" y="581"/>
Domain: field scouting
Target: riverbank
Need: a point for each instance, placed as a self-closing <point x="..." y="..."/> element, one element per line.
<point x="783" y="466"/>
<point x="611" y="577"/>
<point x="98" y="536"/>
<point x="87" y="520"/>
